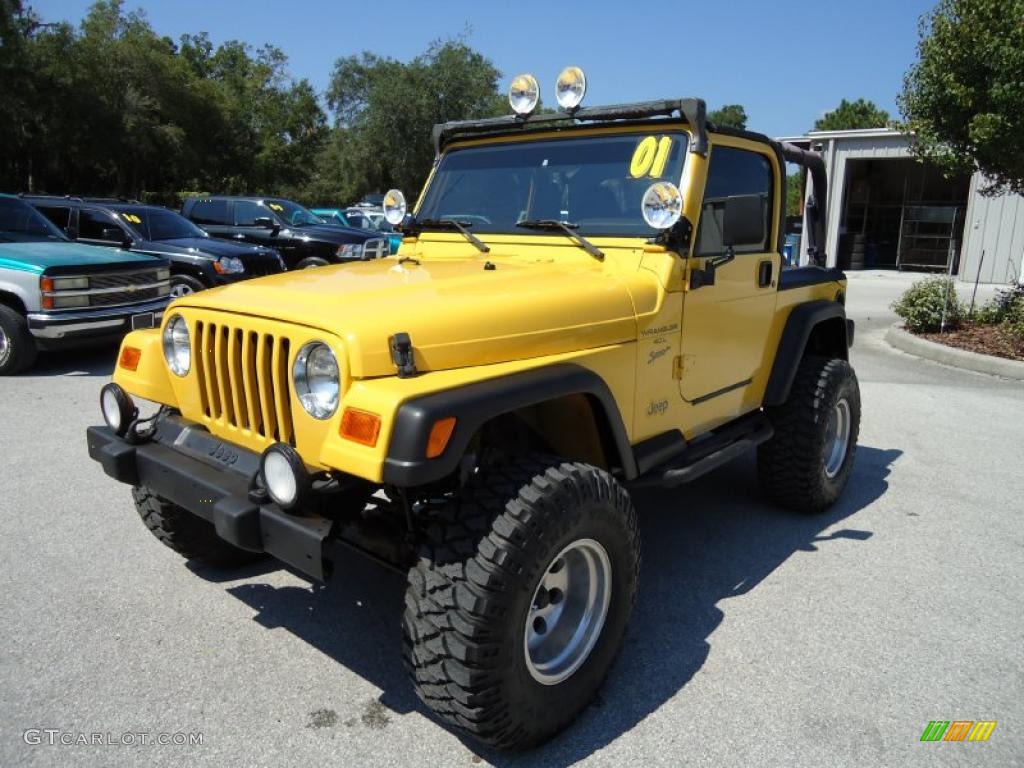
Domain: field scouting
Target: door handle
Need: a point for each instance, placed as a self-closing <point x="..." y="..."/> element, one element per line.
<point x="764" y="273"/>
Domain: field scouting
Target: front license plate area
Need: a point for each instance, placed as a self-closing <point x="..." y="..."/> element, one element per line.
<point x="143" y="321"/>
<point x="200" y="444"/>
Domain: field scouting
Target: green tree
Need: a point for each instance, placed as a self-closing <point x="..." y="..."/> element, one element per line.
<point x="853" y="114"/>
<point x="964" y="98"/>
<point x="730" y="115"/>
<point x="384" y="110"/>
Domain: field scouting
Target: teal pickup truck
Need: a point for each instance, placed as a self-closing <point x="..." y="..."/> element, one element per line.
<point x="55" y="293"/>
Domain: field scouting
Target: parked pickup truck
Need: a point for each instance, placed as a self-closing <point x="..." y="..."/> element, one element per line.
<point x="55" y="293"/>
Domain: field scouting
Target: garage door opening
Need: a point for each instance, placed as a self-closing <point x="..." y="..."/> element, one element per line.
<point x="901" y="214"/>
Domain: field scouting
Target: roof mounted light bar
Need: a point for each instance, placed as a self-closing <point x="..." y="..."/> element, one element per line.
<point x="694" y="111"/>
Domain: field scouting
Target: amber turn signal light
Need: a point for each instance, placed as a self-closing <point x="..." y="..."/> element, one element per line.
<point x="46" y="288"/>
<point x="360" y="426"/>
<point x="130" y="357"/>
<point x="440" y="434"/>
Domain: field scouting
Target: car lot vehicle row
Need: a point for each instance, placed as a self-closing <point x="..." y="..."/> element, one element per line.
<point x="583" y="302"/>
<point x="197" y="260"/>
<point x="300" y="236"/>
<point x="55" y="293"/>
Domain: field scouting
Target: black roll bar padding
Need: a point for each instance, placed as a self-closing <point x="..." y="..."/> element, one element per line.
<point x="693" y="110"/>
<point x="815" y="209"/>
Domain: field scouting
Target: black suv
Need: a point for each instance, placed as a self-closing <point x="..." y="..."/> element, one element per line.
<point x="297" y="233"/>
<point x="197" y="260"/>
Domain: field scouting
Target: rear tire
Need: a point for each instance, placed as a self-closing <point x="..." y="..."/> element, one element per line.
<point x="807" y="463"/>
<point x="481" y="586"/>
<point x="17" y="347"/>
<point x="188" y="535"/>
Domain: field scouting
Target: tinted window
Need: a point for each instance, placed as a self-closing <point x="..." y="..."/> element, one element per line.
<point x="162" y="224"/>
<point x="95" y="225"/>
<point x="20" y="222"/>
<point x="356" y="219"/>
<point x="246" y="213"/>
<point x="59" y="215"/>
<point x="733" y="172"/>
<point x="209" y="212"/>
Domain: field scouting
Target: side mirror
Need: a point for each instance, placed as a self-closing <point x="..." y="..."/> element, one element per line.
<point x="743" y="222"/>
<point x="263" y="222"/>
<point x="113" y="235"/>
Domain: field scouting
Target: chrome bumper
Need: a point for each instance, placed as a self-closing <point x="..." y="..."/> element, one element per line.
<point x="96" y="322"/>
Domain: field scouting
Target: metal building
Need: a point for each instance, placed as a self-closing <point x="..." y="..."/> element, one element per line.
<point x="886" y="210"/>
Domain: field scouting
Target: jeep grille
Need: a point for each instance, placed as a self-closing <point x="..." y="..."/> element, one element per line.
<point x="243" y="380"/>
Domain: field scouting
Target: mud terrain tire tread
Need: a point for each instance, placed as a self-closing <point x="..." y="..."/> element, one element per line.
<point x="481" y="555"/>
<point x="790" y="466"/>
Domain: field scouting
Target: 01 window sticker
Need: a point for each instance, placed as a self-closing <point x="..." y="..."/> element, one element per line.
<point x="650" y="157"/>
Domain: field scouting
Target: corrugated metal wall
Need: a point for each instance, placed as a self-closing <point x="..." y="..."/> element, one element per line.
<point x="994" y="225"/>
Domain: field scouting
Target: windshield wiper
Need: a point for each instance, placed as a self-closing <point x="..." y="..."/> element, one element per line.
<point x="459" y="225"/>
<point x="569" y="228"/>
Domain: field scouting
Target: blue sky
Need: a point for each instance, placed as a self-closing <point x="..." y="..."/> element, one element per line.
<point x="787" y="62"/>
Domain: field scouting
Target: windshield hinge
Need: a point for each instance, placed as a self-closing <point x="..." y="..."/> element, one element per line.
<point x="402" y="355"/>
<point x="679" y="365"/>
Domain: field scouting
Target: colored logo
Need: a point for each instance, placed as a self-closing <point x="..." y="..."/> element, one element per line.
<point x="958" y="730"/>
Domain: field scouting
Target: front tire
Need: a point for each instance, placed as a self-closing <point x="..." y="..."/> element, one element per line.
<point x="184" y="285"/>
<point x="496" y="573"/>
<point x="17" y="347"/>
<point x="312" y="261"/>
<point x="190" y="536"/>
<point x="807" y="463"/>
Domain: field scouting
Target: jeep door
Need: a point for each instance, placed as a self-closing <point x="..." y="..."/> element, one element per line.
<point x="727" y="324"/>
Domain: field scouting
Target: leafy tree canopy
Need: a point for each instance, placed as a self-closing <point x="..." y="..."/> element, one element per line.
<point x="730" y="115"/>
<point x="853" y="114"/>
<point x="964" y="98"/>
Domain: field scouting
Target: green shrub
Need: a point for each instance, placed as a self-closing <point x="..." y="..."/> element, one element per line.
<point x="922" y="304"/>
<point x="1008" y="302"/>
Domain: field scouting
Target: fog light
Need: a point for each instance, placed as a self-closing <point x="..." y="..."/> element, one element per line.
<point x="118" y="409"/>
<point x="523" y="94"/>
<point x="570" y="88"/>
<point x="285" y="476"/>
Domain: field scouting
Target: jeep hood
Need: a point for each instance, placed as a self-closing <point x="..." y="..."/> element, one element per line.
<point x="457" y="312"/>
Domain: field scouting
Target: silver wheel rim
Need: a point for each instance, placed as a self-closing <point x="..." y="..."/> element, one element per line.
<point x="180" y="289"/>
<point x="568" y="611"/>
<point x="837" y="438"/>
<point x="5" y="344"/>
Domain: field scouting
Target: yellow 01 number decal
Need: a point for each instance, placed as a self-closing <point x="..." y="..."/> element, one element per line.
<point x="650" y="157"/>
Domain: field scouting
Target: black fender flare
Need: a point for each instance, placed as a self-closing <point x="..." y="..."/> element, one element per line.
<point x="475" y="404"/>
<point x="799" y="326"/>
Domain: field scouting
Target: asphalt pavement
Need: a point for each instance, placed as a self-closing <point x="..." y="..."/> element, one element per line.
<point x="760" y="638"/>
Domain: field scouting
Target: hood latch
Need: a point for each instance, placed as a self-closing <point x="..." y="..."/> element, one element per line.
<point x="402" y="355"/>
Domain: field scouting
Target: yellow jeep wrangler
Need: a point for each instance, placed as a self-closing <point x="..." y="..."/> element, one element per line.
<point x="583" y="301"/>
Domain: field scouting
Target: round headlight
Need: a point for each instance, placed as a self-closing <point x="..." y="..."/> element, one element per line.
<point x="177" y="347"/>
<point x="570" y="87"/>
<point x="394" y="207"/>
<point x="317" y="380"/>
<point x="523" y="94"/>
<point x="118" y="409"/>
<point x="662" y="205"/>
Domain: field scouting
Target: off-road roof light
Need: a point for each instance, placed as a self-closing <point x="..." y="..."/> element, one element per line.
<point x="523" y="94"/>
<point x="570" y="88"/>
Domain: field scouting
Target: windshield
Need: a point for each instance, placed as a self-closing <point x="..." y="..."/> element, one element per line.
<point x="293" y="214"/>
<point x="20" y="222"/>
<point x="596" y="182"/>
<point x="161" y="224"/>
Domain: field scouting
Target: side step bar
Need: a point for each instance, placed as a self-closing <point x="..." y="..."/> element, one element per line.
<point x="701" y="457"/>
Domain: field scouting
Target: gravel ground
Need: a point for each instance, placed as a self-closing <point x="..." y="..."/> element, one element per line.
<point x="759" y="638"/>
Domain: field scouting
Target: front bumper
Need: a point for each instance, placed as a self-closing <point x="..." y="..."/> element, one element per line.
<point x="213" y="480"/>
<point x="70" y="325"/>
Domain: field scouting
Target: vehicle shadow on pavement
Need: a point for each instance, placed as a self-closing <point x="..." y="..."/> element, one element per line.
<point x="91" y="361"/>
<point x="702" y="543"/>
